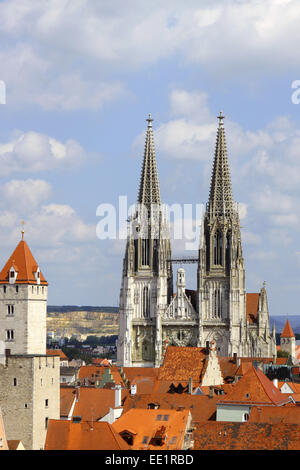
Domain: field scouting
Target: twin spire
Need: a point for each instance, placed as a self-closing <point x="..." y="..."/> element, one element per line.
<point x="220" y="197"/>
<point x="149" y="192"/>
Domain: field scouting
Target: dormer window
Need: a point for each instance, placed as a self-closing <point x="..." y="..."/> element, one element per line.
<point x="37" y="275"/>
<point x="12" y="275"/>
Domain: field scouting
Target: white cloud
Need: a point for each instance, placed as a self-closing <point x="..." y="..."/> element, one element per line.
<point x="24" y="195"/>
<point x="269" y="200"/>
<point x="184" y="139"/>
<point x="250" y="238"/>
<point x="63" y="49"/>
<point x="71" y="92"/>
<point x="190" y="104"/>
<point x="50" y="225"/>
<point x="33" y="152"/>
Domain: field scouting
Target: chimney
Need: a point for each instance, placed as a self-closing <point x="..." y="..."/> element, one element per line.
<point x="275" y="383"/>
<point x="118" y="394"/>
<point x="77" y="393"/>
<point x="190" y="385"/>
<point x="133" y="389"/>
<point x="236" y="360"/>
<point x="211" y="392"/>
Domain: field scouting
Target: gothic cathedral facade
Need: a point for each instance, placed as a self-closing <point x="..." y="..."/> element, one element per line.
<point x="151" y="316"/>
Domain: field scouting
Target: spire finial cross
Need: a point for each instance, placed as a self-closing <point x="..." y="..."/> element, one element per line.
<point x="149" y="120"/>
<point x="221" y="117"/>
<point x="22" y="231"/>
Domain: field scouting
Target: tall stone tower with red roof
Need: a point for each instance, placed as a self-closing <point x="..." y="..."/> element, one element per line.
<point x="288" y="340"/>
<point x="29" y="379"/>
<point x="23" y="303"/>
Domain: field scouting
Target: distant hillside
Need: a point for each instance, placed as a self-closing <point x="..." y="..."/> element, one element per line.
<point x="280" y="321"/>
<point x="103" y="321"/>
<point x="83" y="321"/>
<point x="80" y="308"/>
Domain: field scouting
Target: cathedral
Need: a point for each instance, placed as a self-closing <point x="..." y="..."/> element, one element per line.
<point x="151" y="315"/>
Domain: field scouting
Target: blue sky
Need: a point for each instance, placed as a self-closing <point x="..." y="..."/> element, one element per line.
<point x="81" y="77"/>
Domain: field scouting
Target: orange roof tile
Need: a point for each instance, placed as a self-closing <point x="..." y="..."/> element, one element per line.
<point x="287" y="331"/>
<point x="57" y="352"/>
<point x="92" y="373"/>
<point x="181" y="363"/>
<point x="243" y="368"/>
<point x="132" y="372"/>
<point x="94" y="403"/>
<point x="25" y="265"/>
<point x="67" y="396"/>
<point x="279" y="414"/>
<point x="66" y="435"/>
<point x="144" y="424"/>
<point x="202" y="407"/>
<point x="13" y="444"/>
<point x="252" y="306"/>
<point x="247" y="436"/>
<point x="144" y="384"/>
<point x="255" y="387"/>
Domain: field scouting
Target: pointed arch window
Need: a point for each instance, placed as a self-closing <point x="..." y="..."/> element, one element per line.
<point x="217" y="307"/>
<point x="146" y="302"/>
<point x="145" y="251"/>
<point x="218" y="248"/>
<point x="227" y="249"/>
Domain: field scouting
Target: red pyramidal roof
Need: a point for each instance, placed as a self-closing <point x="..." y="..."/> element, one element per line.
<point x="255" y="388"/>
<point x="287" y="331"/>
<point x="24" y="264"/>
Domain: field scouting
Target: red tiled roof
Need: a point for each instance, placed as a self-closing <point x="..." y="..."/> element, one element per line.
<point x="142" y="423"/>
<point x="252" y="305"/>
<point x="132" y="372"/>
<point x="66" y="435"/>
<point x="67" y="396"/>
<point x="13" y="444"/>
<point x="246" y="436"/>
<point x="287" y="331"/>
<point x="181" y="363"/>
<point x="202" y="407"/>
<point x="95" y="372"/>
<point x="94" y="403"/>
<point x="25" y="265"/>
<point x="57" y="352"/>
<point x="279" y="414"/>
<point x="255" y="387"/>
<point x="144" y="384"/>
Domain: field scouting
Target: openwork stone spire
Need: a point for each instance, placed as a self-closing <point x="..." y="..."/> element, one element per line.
<point x="220" y="196"/>
<point x="149" y="192"/>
